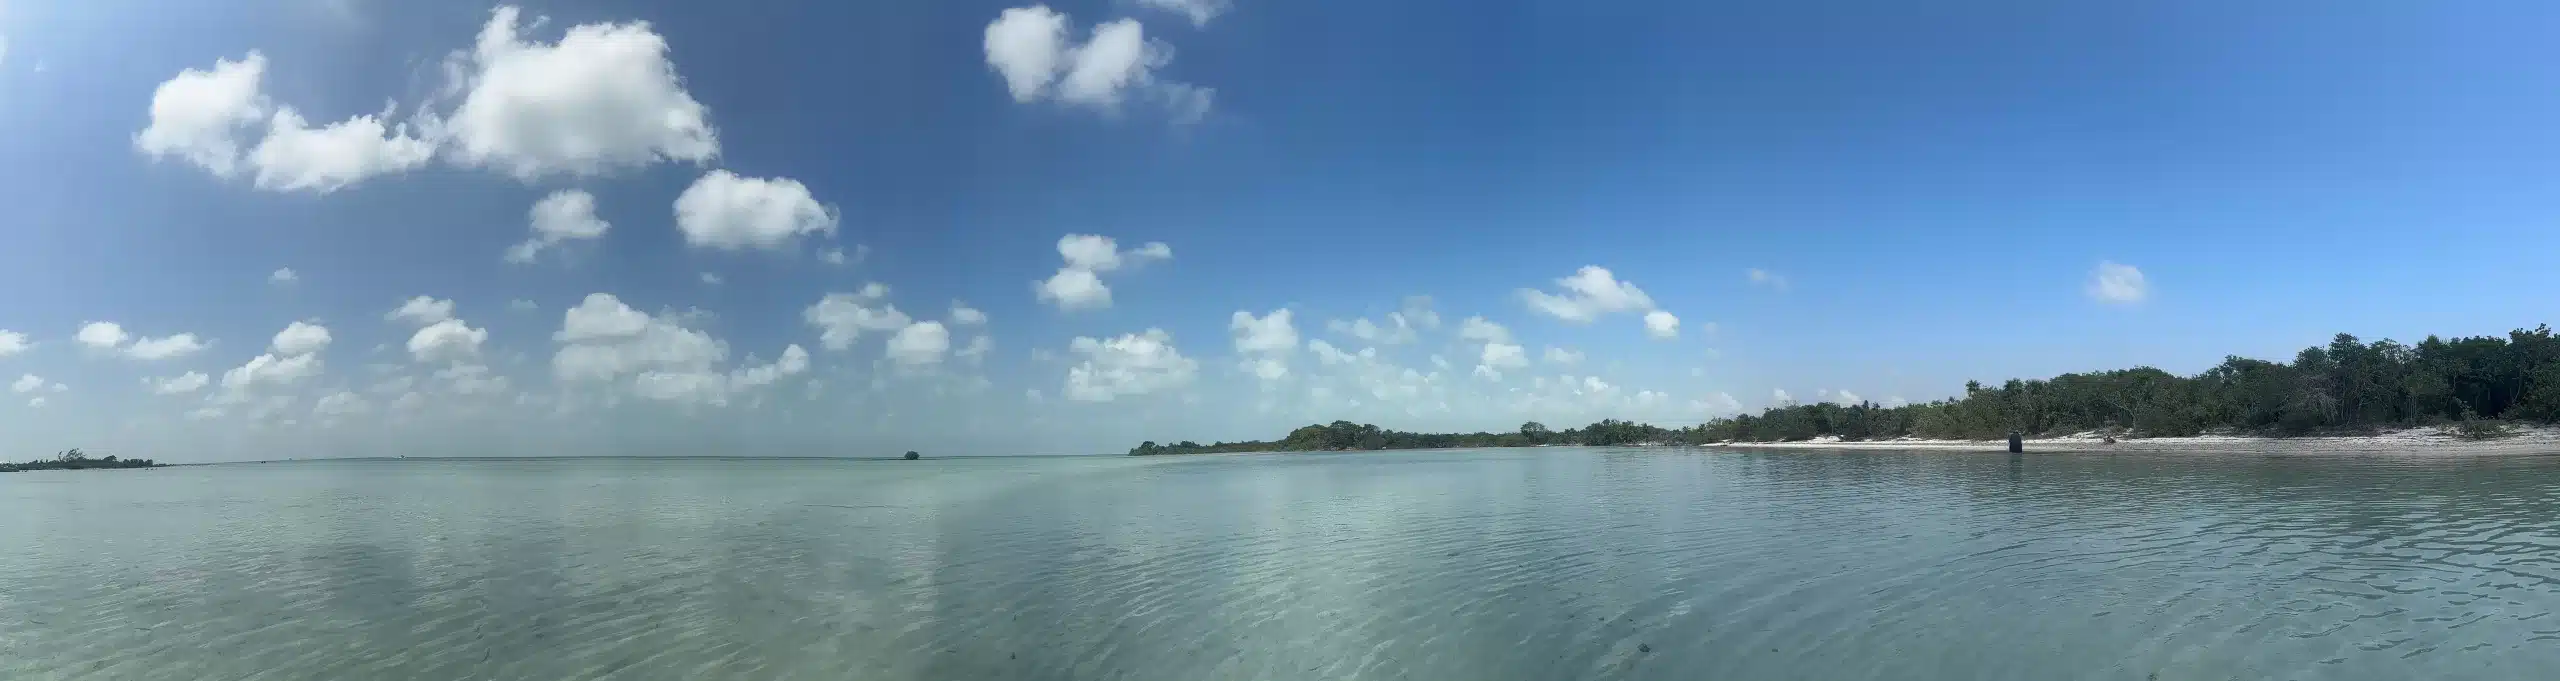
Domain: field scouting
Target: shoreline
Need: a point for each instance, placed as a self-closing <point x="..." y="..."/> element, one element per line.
<point x="2405" y="442"/>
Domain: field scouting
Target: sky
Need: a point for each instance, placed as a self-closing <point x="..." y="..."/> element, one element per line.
<point x="313" y="228"/>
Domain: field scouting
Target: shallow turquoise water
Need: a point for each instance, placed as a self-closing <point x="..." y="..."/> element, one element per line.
<point x="1514" y="564"/>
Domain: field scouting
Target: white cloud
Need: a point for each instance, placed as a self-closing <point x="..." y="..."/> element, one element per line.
<point x="165" y="347"/>
<point x="197" y="116"/>
<point x="977" y="348"/>
<point x="2118" y="284"/>
<point x="1896" y="401"/>
<point x="102" y="335"/>
<point x="725" y="211"/>
<point x="179" y="385"/>
<point x="1396" y="331"/>
<point x="1200" y="11"/>
<point x="269" y="369"/>
<point x="283" y="276"/>
<point x="709" y="279"/>
<point x="27" y="383"/>
<point x="603" y="98"/>
<point x="471" y="379"/>
<point x="36" y="403"/>
<point x="1327" y="353"/>
<point x="1504" y="356"/>
<point x="447" y="341"/>
<point x="1270" y="334"/>
<point x="1779" y="398"/>
<point x="421" y="311"/>
<point x="605" y="341"/>
<point x="1661" y="324"/>
<point x="1563" y="356"/>
<point x="522" y="305"/>
<point x="1078" y="285"/>
<point x="1849" y="398"/>
<point x="1761" y="277"/>
<point x="1025" y="45"/>
<point x="297" y="157"/>
<point x="568" y="214"/>
<point x="301" y="338"/>
<point x="339" y="404"/>
<point x="1029" y="48"/>
<point x="1589" y="293"/>
<point x="1074" y="289"/>
<point x="963" y="315"/>
<point x="794" y="361"/>
<point x="1481" y="331"/>
<point x="841" y="318"/>
<point x="919" y="344"/>
<point x="12" y="342"/>
<point x="1127" y="366"/>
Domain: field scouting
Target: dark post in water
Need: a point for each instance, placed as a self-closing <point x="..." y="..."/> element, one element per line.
<point x="2016" y="443"/>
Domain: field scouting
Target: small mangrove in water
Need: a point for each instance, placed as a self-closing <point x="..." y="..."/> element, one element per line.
<point x="74" y="459"/>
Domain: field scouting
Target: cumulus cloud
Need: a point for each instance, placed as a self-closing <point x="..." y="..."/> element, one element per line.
<point x="271" y="369"/>
<point x="963" y="315"/>
<point x="919" y="344"/>
<point x="604" y="341"/>
<point x="605" y="97"/>
<point x="301" y="338"/>
<point x="1078" y="285"/>
<point x="1719" y="403"/>
<point x="1778" y="397"/>
<point x="421" y="311"/>
<point x="179" y="385"/>
<point x="1504" y="356"/>
<point x="164" y="347"/>
<point x="1128" y="366"/>
<point x="725" y="211"/>
<point x="565" y="215"/>
<point x="1264" y="342"/>
<point x="27" y="383"/>
<point x="1563" y="356"/>
<point x="101" y="335"/>
<point x="794" y="361"/>
<point x="842" y="318"/>
<point x="1589" y="293"/>
<point x="449" y="340"/>
<point x="297" y="157"/>
<point x="12" y="342"/>
<point x="283" y="276"/>
<point x="1030" y="49"/>
<point x="1661" y="324"/>
<point x="977" y="348"/>
<point x="1479" y="330"/>
<point x="1200" y="11"/>
<point x="198" y="116"/>
<point x="2117" y="283"/>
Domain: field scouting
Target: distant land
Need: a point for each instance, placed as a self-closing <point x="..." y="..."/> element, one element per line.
<point x="75" y="460"/>
<point x="2476" y="388"/>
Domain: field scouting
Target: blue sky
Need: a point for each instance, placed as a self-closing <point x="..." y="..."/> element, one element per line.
<point x="1932" y="193"/>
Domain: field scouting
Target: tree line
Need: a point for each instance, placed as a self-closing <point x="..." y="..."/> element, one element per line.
<point x="2475" y="383"/>
<point x="74" y="459"/>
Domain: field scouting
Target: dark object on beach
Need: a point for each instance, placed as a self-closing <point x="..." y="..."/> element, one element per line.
<point x="2017" y="443"/>
<point x="911" y="455"/>
<point x="1644" y="647"/>
<point x="2111" y="439"/>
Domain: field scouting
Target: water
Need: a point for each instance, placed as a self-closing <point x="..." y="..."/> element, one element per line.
<point x="1517" y="564"/>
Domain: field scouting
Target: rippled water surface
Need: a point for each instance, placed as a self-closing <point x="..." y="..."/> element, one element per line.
<point x="1515" y="564"/>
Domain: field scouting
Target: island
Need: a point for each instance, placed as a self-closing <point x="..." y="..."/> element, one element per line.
<point x="2471" y="388"/>
<point x="74" y="459"/>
